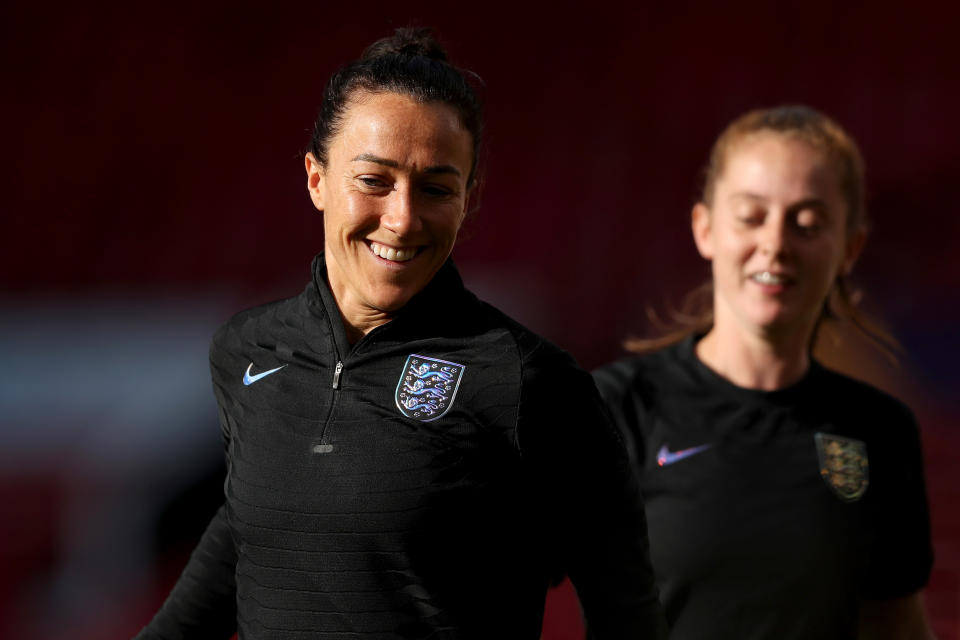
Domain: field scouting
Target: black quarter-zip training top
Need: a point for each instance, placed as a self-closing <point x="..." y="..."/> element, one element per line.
<point x="428" y="481"/>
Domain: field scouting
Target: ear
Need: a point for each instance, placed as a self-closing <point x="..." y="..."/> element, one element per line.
<point x="315" y="180"/>
<point x="854" y="246"/>
<point x="702" y="230"/>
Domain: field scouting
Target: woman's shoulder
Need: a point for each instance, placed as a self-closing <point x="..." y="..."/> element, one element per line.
<point x="847" y="392"/>
<point x="862" y="411"/>
<point x="532" y="349"/>
<point x="545" y="369"/>
<point x="269" y="318"/>
<point x="637" y="371"/>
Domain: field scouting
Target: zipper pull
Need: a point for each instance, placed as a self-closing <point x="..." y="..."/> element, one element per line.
<point x="336" y="375"/>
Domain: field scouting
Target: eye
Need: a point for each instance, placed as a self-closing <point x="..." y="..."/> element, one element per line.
<point x="437" y="190"/>
<point x="371" y="181"/>
<point x="750" y="217"/>
<point x="808" y="221"/>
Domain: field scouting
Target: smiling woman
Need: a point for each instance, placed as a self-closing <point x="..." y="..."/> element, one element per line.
<point x="777" y="237"/>
<point x="404" y="461"/>
<point x="784" y="500"/>
<point x="393" y="192"/>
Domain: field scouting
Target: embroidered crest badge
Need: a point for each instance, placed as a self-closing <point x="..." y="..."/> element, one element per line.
<point x="843" y="465"/>
<point x="427" y="387"/>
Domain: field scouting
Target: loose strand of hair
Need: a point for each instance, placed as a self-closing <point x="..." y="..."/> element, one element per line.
<point x="693" y="317"/>
<point x="844" y="306"/>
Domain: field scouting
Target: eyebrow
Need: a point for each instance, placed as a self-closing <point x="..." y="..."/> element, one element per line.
<point x="440" y="168"/>
<point x="818" y="203"/>
<point x="746" y="195"/>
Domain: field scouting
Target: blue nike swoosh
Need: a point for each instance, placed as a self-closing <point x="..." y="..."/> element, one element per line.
<point x="665" y="457"/>
<point x="249" y="379"/>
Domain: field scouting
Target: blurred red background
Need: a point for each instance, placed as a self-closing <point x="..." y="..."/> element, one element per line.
<point x="153" y="185"/>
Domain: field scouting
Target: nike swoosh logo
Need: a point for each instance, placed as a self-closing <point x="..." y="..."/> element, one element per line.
<point x="666" y="457"/>
<point x="249" y="379"/>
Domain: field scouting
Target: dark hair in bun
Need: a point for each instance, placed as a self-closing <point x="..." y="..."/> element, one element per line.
<point x="407" y="41"/>
<point x="410" y="62"/>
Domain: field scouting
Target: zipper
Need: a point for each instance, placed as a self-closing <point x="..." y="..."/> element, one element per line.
<point x="336" y="374"/>
<point x="322" y="446"/>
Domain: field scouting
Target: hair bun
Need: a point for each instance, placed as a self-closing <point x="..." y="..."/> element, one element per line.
<point x="407" y="41"/>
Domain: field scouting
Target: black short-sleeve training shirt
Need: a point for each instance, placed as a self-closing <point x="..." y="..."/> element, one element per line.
<point x="771" y="513"/>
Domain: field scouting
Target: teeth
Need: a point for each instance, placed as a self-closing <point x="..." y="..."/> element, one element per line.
<point x="765" y="277"/>
<point x="389" y="253"/>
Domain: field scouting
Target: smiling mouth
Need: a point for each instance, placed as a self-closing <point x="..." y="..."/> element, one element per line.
<point x="392" y="254"/>
<point x="765" y="277"/>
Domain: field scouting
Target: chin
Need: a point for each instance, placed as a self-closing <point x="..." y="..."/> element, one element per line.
<point x="782" y="324"/>
<point x="767" y="320"/>
<point x="392" y="301"/>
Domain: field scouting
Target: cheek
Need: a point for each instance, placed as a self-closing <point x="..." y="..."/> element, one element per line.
<point x="731" y="250"/>
<point x="453" y="227"/>
<point x="446" y="225"/>
<point x="827" y="256"/>
<point x="351" y="214"/>
<point x="726" y="274"/>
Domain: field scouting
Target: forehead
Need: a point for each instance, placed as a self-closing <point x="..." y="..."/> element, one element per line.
<point x="771" y="164"/>
<point x="397" y="127"/>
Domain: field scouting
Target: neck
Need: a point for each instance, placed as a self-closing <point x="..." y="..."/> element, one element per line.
<point x="765" y="362"/>
<point x="358" y="318"/>
<point x="359" y="322"/>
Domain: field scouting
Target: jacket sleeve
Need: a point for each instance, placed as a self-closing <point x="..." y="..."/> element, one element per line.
<point x="202" y="604"/>
<point x="578" y="466"/>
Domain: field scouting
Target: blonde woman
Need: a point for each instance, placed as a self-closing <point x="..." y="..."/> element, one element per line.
<point x="784" y="500"/>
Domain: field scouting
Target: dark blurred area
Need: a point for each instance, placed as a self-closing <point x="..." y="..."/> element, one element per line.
<point x="153" y="185"/>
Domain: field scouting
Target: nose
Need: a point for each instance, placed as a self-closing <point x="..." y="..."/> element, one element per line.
<point x="773" y="235"/>
<point x="401" y="215"/>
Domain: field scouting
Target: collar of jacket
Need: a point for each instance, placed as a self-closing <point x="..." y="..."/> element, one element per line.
<point x="429" y="310"/>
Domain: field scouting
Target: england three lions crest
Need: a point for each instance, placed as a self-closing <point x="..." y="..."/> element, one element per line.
<point x="843" y="465"/>
<point x="427" y="387"/>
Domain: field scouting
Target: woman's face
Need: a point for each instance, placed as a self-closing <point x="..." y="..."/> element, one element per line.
<point x="776" y="235"/>
<point x="393" y="196"/>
